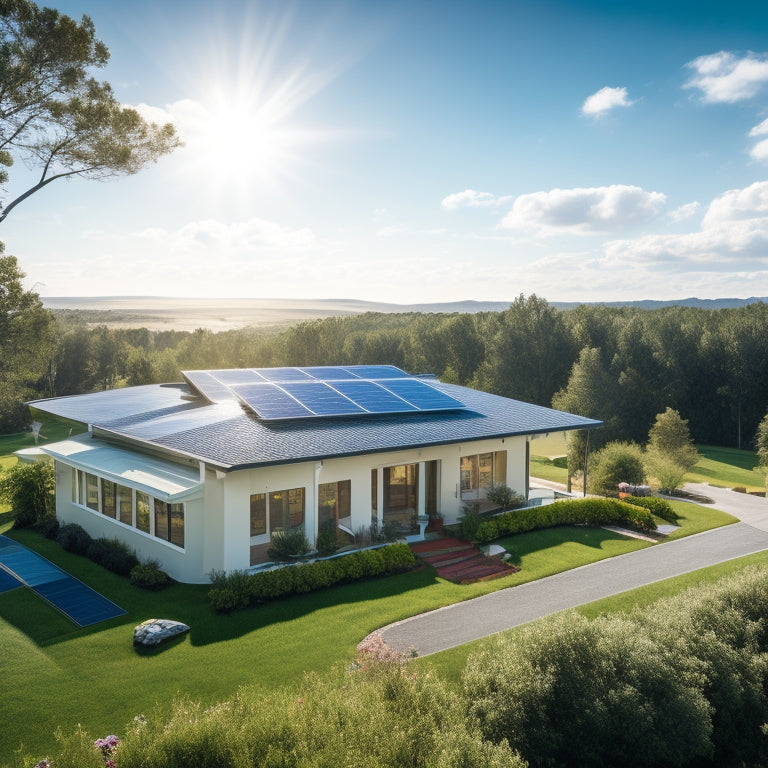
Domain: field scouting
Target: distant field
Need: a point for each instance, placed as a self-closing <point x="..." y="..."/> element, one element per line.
<point x="183" y="314"/>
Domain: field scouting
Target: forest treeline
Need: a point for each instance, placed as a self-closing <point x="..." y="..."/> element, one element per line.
<point x="620" y="365"/>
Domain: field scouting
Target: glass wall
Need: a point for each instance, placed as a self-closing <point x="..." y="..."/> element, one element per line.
<point x="334" y="508"/>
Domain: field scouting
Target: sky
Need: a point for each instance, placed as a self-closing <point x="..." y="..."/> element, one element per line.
<point x="421" y="152"/>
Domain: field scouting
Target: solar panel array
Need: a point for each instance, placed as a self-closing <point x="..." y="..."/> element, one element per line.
<point x="290" y="393"/>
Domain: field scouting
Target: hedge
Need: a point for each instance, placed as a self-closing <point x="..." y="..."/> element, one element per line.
<point x="656" y="506"/>
<point x="593" y="512"/>
<point x="239" y="589"/>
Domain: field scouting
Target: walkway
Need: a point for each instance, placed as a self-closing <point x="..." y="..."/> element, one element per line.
<point x="20" y="566"/>
<point x="473" y="619"/>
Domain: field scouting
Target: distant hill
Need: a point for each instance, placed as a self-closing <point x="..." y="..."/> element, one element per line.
<point x="185" y="314"/>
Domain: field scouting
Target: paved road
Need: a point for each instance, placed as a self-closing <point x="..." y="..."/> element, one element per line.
<point x="460" y="623"/>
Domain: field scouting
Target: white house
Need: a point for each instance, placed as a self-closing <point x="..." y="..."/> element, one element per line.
<point x="199" y="475"/>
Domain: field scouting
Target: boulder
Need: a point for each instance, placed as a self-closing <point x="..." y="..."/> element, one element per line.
<point x="152" y="632"/>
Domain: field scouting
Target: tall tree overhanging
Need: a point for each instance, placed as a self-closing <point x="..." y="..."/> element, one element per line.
<point x="54" y="116"/>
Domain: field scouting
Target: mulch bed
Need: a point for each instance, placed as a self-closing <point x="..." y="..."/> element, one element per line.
<point x="460" y="561"/>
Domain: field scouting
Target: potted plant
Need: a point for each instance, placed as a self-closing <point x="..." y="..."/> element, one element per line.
<point x="435" y="523"/>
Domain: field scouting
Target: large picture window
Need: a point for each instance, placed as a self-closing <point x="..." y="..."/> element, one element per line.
<point x="169" y="522"/>
<point x="480" y="472"/>
<point x="401" y="495"/>
<point x="109" y="498"/>
<point x="277" y="511"/>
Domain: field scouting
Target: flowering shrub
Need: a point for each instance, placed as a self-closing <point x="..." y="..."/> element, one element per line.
<point x="373" y="650"/>
<point x="107" y="745"/>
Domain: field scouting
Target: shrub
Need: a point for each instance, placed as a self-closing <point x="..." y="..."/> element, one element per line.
<point x="48" y="526"/>
<point x="114" y="555"/>
<point x="486" y="531"/>
<point x="149" y="576"/>
<point x="504" y="496"/>
<point x="240" y="589"/>
<point x="288" y="544"/>
<point x="616" y="463"/>
<point x="326" y="541"/>
<point x="29" y="489"/>
<point x="469" y="523"/>
<point x="73" y="538"/>
<point x="656" y="506"/>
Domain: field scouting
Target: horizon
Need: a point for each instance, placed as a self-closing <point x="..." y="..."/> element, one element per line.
<point x="410" y="152"/>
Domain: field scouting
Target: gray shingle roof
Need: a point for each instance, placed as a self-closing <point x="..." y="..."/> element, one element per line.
<point x="228" y="436"/>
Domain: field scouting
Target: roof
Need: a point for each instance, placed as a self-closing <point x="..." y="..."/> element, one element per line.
<point x="229" y="436"/>
<point x="165" y="480"/>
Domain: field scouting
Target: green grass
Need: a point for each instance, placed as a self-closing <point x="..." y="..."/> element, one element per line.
<point x="544" y="467"/>
<point x="93" y="676"/>
<point x="727" y="468"/>
<point x="53" y="429"/>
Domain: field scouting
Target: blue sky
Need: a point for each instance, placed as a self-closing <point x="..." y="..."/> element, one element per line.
<point x="423" y="151"/>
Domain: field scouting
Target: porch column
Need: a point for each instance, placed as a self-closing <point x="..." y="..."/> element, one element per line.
<point x="422" y="502"/>
<point x="310" y="515"/>
<point x="380" y="495"/>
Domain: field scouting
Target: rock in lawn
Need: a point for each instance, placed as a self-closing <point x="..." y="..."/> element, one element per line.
<point x="152" y="632"/>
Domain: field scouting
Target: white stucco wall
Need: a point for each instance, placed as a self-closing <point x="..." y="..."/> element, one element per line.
<point x="217" y="526"/>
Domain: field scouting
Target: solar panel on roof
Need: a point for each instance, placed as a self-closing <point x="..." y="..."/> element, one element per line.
<point x="238" y="376"/>
<point x="289" y="393"/>
<point x="423" y="396"/>
<point x="270" y="401"/>
<point x="321" y="399"/>
<point x="374" y="396"/>
<point x="377" y="372"/>
<point x="279" y="375"/>
<point x="208" y="386"/>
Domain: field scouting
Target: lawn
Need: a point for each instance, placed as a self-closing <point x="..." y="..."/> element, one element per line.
<point x="727" y="468"/>
<point x="93" y="676"/>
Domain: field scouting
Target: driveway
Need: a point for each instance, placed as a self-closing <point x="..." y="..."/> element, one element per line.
<point x="463" y="622"/>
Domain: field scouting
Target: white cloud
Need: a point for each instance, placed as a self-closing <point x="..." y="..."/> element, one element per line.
<point x="738" y="205"/>
<point x="583" y="210"/>
<point x="725" y="78"/>
<point x="154" y="114"/>
<point x="604" y="100"/>
<point x="760" y="151"/>
<point x="685" y="211"/>
<point x="471" y="198"/>
<point x="761" y="129"/>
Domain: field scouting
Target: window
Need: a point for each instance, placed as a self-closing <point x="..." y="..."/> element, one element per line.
<point x="258" y="514"/>
<point x="92" y="492"/>
<point x="125" y="499"/>
<point x="159" y="518"/>
<point x="334" y="505"/>
<point x="142" y="511"/>
<point x="480" y="472"/>
<point x="169" y="522"/>
<point x="109" y="498"/>
<point x="283" y="509"/>
<point x="286" y="510"/>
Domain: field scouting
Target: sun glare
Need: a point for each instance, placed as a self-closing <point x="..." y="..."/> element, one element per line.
<point x="246" y="124"/>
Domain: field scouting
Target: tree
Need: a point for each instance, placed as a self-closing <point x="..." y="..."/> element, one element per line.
<point x="670" y="438"/>
<point x="27" y="334"/>
<point x="761" y="443"/>
<point x="29" y="489"/>
<point x="53" y="115"/>
<point x="616" y="463"/>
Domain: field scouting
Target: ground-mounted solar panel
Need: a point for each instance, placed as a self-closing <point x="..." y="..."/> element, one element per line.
<point x="270" y="402"/>
<point x="373" y="396"/>
<point x="423" y="396"/>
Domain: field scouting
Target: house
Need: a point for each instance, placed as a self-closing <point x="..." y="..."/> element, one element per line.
<point x="199" y="475"/>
